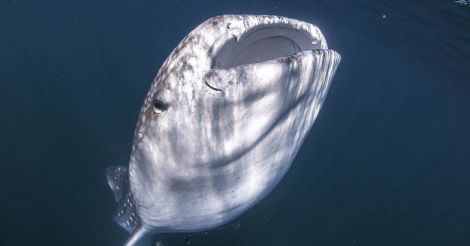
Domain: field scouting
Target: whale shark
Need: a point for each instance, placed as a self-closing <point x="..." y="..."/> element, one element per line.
<point x="221" y="123"/>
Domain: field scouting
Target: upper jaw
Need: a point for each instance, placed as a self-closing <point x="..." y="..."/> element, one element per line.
<point x="257" y="38"/>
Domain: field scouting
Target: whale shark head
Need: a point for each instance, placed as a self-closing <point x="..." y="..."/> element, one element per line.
<point x="226" y="84"/>
<point x="228" y="89"/>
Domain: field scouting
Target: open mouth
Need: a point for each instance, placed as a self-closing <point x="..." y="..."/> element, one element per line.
<point x="269" y="39"/>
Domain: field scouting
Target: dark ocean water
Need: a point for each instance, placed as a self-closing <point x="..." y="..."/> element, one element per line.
<point x="386" y="163"/>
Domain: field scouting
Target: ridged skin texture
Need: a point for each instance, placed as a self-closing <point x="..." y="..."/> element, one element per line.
<point x="212" y="141"/>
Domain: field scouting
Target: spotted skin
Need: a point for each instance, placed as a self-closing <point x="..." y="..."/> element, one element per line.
<point x="215" y="136"/>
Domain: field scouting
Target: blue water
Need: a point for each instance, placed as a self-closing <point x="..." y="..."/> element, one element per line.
<point x="386" y="163"/>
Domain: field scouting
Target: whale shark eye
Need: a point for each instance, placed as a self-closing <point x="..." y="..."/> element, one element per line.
<point x="159" y="106"/>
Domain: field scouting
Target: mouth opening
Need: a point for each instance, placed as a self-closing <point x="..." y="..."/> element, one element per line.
<point x="264" y="43"/>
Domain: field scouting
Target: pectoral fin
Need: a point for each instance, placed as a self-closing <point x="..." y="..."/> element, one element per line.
<point x="118" y="181"/>
<point x="125" y="213"/>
